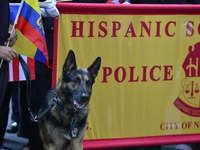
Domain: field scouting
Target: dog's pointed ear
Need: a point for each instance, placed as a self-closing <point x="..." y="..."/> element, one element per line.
<point x="94" y="68"/>
<point x="70" y="63"/>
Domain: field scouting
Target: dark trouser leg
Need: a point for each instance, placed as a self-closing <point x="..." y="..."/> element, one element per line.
<point x="15" y="105"/>
<point x="40" y="87"/>
<point x="24" y="114"/>
<point x="4" y="109"/>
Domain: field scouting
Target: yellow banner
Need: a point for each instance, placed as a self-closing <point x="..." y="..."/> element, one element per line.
<point x="148" y="84"/>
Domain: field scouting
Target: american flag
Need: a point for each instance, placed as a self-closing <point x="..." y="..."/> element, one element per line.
<point x="16" y="72"/>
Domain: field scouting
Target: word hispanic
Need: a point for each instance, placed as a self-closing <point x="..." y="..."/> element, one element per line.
<point x="102" y="28"/>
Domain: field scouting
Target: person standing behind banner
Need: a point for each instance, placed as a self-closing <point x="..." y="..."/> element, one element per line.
<point x="43" y="75"/>
<point x="21" y="121"/>
<point x="7" y="54"/>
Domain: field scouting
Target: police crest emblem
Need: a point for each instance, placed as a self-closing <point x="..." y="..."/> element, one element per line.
<point x="188" y="101"/>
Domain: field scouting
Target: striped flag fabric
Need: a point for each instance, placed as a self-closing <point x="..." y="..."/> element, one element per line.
<point x="15" y="72"/>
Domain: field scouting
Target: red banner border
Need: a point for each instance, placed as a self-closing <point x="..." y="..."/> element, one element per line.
<point x="137" y="142"/>
<point x="126" y="9"/>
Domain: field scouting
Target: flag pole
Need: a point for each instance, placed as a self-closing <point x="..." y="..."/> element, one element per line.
<point x="13" y="27"/>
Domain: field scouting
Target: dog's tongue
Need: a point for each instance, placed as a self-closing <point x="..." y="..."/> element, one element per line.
<point x="78" y="105"/>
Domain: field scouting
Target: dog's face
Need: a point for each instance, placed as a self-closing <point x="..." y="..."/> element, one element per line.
<point x="75" y="85"/>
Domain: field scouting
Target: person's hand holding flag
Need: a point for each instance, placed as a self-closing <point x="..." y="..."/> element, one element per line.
<point x="13" y="36"/>
<point x="7" y="53"/>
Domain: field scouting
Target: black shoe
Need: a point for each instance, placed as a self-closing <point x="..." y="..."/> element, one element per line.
<point x="13" y="128"/>
<point x="4" y="148"/>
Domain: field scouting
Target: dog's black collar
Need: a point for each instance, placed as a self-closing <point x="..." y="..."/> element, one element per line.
<point x="60" y="105"/>
<point x="55" y="99"/>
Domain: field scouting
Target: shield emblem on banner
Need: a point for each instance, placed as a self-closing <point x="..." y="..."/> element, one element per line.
<point x="191" y="91"/>
<point x="189" y="99"/>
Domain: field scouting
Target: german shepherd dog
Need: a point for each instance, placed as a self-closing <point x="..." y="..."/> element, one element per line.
<point x="64" y="125"/>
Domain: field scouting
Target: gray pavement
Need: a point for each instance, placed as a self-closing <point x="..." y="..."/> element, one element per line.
<point x="14" y="142"/>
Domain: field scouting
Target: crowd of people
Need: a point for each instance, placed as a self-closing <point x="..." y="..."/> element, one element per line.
<point x="21" y="122"/>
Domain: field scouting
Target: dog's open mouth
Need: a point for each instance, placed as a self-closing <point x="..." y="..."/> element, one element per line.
<point x="78" y="105"/>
